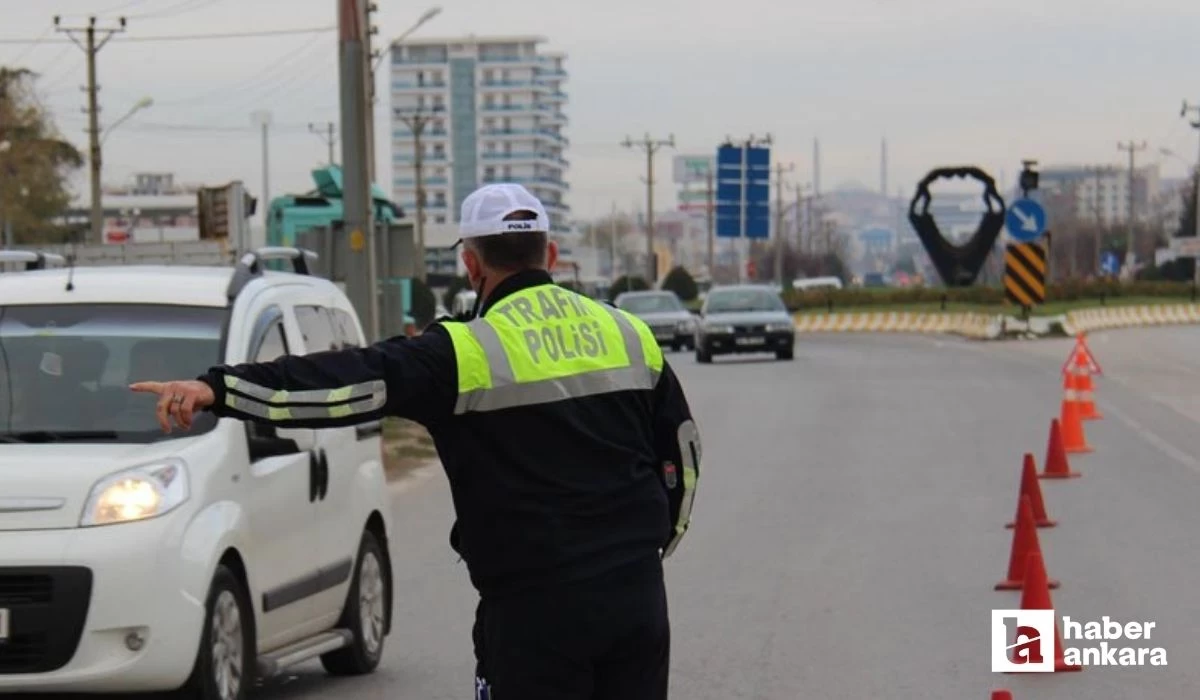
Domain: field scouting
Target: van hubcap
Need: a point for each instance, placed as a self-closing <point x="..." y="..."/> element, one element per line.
<point x="371" y="603"/>
<point x="227" y="649"/>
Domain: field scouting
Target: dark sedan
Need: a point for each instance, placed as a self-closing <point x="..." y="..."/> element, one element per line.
<point x="744" y="319"/>
<point x="673" y="325"/>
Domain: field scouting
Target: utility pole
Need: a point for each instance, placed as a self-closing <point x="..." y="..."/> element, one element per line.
<point x="1132" y="148"/>
<point x="651" y="147"/>
<point x="612" y="239"/>
<point x="416" y="123"/>
<point x="1195" y="125"/>
<point x="262" y="119"/>
<point x="367" y="8"/>
<point x="780" y="169"/>
<point x="91" y="47"/>
<point x="358" y="219"/>
<point x="328" y="135"/>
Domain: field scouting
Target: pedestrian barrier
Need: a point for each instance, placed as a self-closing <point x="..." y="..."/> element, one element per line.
<point x="1085" y="320"/>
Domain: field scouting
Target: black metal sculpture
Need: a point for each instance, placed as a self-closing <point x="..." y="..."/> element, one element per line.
<point x="958" y="265"/>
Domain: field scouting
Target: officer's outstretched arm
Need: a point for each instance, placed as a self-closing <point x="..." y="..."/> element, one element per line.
<point x="677" y="442"/>
<point x="408" y="377"/>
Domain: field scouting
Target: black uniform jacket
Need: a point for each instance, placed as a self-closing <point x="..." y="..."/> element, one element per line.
<point x="545" y="495"/>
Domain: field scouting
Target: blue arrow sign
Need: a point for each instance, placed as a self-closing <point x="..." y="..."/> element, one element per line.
<point x="1110" y="264"/>
<point x="1025" y="220"/>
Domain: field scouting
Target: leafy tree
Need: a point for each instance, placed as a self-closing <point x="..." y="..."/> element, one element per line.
<point x="627" y="283"/>
<point x="35" y="162"/>
<point x="678" y="280"/>
<point x="1187" y="220"/>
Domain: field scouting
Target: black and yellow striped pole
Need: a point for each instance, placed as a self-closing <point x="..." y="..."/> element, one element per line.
<point x="1025" y="274"/>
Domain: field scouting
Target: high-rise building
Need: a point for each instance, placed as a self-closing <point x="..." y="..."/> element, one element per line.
<point x="493" y="111"/>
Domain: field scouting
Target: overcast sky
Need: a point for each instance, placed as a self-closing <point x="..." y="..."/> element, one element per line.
<point x="984" y="82"/>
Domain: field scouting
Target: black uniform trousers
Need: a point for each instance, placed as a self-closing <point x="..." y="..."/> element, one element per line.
<point x="607" y="638"/>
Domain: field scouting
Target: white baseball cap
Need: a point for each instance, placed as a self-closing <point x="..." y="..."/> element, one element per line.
<point x="484" y="211"/>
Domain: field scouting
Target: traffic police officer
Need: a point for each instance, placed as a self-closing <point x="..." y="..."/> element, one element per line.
<point x="570" y="450"/>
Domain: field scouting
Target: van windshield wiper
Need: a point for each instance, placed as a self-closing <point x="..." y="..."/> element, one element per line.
<point x="43" y="436"/>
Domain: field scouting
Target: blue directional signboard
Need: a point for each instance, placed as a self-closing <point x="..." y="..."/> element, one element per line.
<point x="743" y="191"/>
<point x="1025" y="220"/>
<point x="1110" y="264"/>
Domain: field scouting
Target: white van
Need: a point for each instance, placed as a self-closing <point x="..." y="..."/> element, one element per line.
<point x="813" y="283"/>
<point x="192" y="562"/>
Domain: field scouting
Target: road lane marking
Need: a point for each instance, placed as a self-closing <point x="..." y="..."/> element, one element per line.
<point x="1154" y="439"/>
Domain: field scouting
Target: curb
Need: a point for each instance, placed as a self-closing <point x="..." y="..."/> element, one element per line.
<point x="991" y="326"/>
<point x="971" y="325"/>
<point x="1086" y="320"/>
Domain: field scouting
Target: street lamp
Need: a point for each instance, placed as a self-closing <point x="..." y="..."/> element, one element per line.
<point x="425" y="17"/>
<point x="141" y="104"/>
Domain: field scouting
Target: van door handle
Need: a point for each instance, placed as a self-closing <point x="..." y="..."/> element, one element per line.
<point x="314" y="476"/>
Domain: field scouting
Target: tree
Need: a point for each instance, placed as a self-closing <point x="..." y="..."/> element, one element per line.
<point x="1187" y="220"/>
<point x="678" y="280"/>
<point x="35" y="162"/>
<point x="627" y="283"/>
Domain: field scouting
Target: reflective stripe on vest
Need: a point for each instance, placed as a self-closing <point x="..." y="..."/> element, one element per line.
<point x="546" y="344"/>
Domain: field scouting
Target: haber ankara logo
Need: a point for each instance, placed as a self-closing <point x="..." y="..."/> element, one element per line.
<point x="1023" y="641"/>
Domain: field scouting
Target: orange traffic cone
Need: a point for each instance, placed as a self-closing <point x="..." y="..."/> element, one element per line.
<point x="1056" y="455"/>
<point x="1025" y="542"/>
<point x="1031" y="488"/>
<point x="1001" y="695"/>
<point x="1035" y="595"/>
<point x="1083" y="384"/>
<point x="1072" y="422"/>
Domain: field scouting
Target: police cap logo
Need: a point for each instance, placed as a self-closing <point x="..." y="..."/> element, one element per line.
<point x="519" y="226"/>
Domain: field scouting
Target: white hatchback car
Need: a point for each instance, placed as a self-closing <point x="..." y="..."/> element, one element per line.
<point x="196" y="562"/>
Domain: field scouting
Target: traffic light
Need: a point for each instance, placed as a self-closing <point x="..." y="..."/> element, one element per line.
<point x="751" y="269"/>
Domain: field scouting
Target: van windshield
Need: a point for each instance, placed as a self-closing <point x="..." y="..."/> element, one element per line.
<point x="65" y="369"/>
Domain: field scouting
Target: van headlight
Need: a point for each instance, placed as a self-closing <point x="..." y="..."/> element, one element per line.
<point x="780" y="327"/>
<point x="139" y="493"/>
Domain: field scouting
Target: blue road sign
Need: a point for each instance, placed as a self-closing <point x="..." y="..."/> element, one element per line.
<point x="1025" y="220"/>
<point x="1110" y="264"/>
<point x="743" y="192"/>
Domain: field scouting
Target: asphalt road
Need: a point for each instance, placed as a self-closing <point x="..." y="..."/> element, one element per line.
<point x="849" y="526"/>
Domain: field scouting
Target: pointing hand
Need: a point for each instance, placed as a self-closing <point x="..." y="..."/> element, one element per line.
<point x="177" y="400"/>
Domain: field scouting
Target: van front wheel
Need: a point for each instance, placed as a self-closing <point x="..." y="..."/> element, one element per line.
<point x="224" y="667"/>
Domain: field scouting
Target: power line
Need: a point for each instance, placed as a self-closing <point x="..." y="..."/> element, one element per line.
<point x="195" y="37"/>
<point x="176" y="10"/>
<point x="270" y="73"/>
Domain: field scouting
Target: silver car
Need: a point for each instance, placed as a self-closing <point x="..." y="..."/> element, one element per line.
<point x="673" y="325"/>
